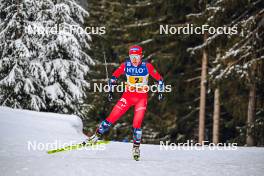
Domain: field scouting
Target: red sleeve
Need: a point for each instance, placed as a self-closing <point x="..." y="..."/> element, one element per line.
<point x="153" y="72"/>
<point x="119" y="71"/>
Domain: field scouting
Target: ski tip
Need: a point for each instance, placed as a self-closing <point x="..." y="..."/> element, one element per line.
<point x="136" y="158"/>
<point x="51" y="151"/>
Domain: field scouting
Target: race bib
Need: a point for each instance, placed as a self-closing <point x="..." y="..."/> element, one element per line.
<point x="135" y="79"/>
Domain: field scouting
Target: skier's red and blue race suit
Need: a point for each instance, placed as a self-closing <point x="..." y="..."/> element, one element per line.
<point x="135" y="94"/>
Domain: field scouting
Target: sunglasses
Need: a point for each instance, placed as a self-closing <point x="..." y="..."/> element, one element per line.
<point x="134" y="56"/>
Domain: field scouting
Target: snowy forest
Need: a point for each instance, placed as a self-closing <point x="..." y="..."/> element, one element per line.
<point x="217" y="79"/>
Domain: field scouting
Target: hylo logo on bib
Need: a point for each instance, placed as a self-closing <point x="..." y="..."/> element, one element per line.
<point x="135" y="70"/>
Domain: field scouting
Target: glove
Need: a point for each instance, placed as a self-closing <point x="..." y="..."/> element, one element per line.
<point x="160" y="90"/>
<point x="111" y="82"/>
<point x="161" y="86"/>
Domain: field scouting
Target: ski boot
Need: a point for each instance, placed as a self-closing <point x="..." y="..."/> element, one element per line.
<point x="103" y="127"/>
<point x="136" y="152"/>
<point x="92" y="139"/>
<point x="137" y="134"/>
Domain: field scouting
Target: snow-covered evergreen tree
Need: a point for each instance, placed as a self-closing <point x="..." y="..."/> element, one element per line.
<point x="42" y="59"/>
<point x="240" y="50"/>
<point x="236" y="58"/>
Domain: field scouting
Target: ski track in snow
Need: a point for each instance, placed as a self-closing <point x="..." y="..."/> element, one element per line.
<point x="17" y="127"/>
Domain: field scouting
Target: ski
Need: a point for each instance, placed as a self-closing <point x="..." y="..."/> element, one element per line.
<point x="136" y="157"/>
<point x="136" y="153"/>
<point x="76" y="146"/>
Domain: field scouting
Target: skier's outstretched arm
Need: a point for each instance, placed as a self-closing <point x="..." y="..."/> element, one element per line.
<point x="155" y="74"/>
<point x="119" y="71"/>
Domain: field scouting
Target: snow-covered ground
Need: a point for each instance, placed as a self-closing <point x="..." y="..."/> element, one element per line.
<point x="19" y="127"/>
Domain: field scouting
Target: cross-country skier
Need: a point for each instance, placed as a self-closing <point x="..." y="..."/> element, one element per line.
<point x="135" y="94"/>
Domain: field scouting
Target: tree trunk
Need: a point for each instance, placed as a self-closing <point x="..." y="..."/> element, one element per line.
<point x="251" y="114"/>
<point x="216" y="117"/>
<point x="203" y="95"/>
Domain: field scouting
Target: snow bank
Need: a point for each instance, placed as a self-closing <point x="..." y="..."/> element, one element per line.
<point x="17" y="127"/>
<point x="22" y="127"/>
